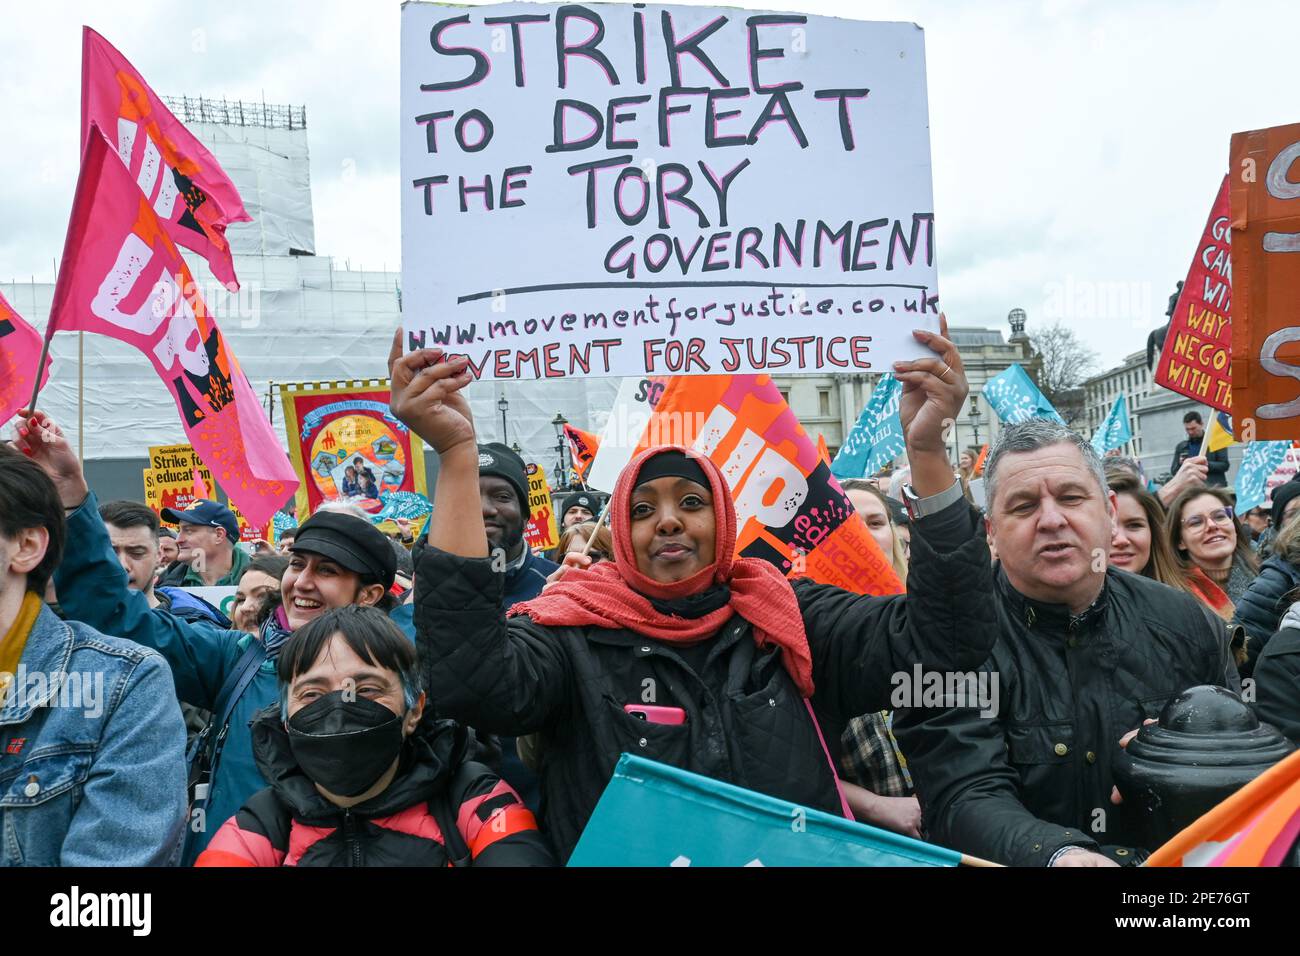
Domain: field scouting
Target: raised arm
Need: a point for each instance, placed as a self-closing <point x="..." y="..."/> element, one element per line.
<point x="947" y="621"/>
<point x="497" y="676"/>
<point x="92" y="587"/>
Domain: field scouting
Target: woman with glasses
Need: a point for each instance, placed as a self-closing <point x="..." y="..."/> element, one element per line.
<point x="1210" y="543"/>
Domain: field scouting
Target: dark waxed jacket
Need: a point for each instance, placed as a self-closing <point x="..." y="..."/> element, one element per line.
<point x="1262" y="606"/>
<point x="1019" y="785"/>
<point x="745" y="720"/>
<point x="437" y="788"/>
<point x="1277" y="678"/>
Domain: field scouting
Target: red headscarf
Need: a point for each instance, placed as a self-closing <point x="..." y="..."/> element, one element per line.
<point x="614" y="594"/>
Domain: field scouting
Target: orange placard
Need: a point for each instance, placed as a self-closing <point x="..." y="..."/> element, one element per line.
<point x="1265" y="205"/>
<point x="789" y="509"/>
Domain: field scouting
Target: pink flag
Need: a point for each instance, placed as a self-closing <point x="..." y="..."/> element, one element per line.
<point x="192" y="195"/>
<point x="20" y="350"/>
<point x="121" y="275"/>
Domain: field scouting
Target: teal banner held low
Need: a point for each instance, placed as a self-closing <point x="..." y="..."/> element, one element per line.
<point x="655" y="815"/>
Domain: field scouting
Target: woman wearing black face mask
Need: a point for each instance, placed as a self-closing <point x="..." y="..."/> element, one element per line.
<point x="360" y="774"/>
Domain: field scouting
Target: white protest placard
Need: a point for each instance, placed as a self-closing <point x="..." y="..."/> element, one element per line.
<point x="650" y="190"/>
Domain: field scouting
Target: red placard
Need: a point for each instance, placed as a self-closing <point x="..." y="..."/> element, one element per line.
<point x="1197" y="357"/>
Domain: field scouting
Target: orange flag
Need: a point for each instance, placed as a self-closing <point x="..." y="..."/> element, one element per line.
<point x="584" y="446"/>
<point x="1256" y="826"/>
<point x="979" y="462"/>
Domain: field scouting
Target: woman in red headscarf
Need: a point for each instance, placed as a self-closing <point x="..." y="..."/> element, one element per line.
<point x="678" y="650"/>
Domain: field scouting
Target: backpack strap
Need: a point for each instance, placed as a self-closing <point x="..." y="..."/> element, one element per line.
<point x="453" y="841"/>
<point x="204" y="745"/>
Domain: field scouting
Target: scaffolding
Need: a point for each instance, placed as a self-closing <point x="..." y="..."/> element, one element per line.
<point x="200" y="109"/>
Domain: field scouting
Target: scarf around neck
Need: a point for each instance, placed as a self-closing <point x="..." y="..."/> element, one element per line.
<point x="616" y="595"/>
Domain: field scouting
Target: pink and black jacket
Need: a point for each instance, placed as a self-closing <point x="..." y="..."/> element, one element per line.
<point x="440" y="810"/>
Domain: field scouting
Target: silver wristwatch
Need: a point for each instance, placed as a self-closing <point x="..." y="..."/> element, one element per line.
<point x="919" y="507"/>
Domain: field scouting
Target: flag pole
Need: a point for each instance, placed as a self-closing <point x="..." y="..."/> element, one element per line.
<point x="81" y="396"/>
<point x="604" y="513"/>
<point x="40" y="366"/>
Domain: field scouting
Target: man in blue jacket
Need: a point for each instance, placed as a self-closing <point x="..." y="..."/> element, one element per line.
<point x="503" y="489"/>
<point x="92" y="747"/>
<point x="337" y="560"/>
<point x="1216" y="462"/>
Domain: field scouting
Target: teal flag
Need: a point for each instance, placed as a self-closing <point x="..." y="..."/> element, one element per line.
<point x="1259" y="461"/>
<point x="877" y="438"/>
<point x="1015" y="398"/>
<point x="655" y="815"/>
<point x="1114" y="431"/>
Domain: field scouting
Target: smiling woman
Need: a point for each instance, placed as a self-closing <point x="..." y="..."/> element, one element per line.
<point x="1204" y="532"/>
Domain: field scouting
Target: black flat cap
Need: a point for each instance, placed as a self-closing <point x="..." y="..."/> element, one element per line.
<point x="351" y="542"/>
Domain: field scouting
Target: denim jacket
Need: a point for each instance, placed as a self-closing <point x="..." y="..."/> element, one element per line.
<point x="92" y="753"/>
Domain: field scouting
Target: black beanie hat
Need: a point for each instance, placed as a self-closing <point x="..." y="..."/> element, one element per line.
<point x="498" y="460"/>
<point x="671" y="464"/>
<point x="1281" y="495"/>
<point x="581" y="499"/>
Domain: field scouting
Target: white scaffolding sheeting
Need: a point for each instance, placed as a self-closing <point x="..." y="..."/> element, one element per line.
<point x="296" y="319"/>
<point x="270" y="168"/>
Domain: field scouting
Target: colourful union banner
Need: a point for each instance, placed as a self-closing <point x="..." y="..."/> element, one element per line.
<point x="346" y="445"/>
<point x="20" y="350"/>
<point x="122" y="275"/>
<point x="652" y="814"/>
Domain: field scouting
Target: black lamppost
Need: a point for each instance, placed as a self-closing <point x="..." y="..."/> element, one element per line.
<point x="975" y="416"/>
<point x="504" y="405"/>
<point x="561" y="475"/>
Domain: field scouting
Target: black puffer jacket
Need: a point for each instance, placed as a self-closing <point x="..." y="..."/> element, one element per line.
<point x="1035" y="775"/>
<point x="440" y="808"/>
<point x="745" y="720"/>
<point x="1262" y="606"/>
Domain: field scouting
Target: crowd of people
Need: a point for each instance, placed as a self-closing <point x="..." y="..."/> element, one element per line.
<point x="462" y="700"/>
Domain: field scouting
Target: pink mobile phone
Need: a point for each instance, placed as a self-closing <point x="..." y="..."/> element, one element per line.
<point x="656" y="715"/>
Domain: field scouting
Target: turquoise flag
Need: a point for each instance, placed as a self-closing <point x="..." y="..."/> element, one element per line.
<point x="1259" y="461"/>
<point x="1114" y="431"/>
<point x="1015" y="398"/>
<point x="282" y="522"/>
<point x="655" y="815"/>
<point x="877" y="438"/>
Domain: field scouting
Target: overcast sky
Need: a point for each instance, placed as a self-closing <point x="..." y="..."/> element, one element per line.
<point x="1076" y="146"/>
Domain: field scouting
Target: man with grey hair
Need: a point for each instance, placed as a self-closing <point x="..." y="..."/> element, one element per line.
<point x="1086" y="654"/>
